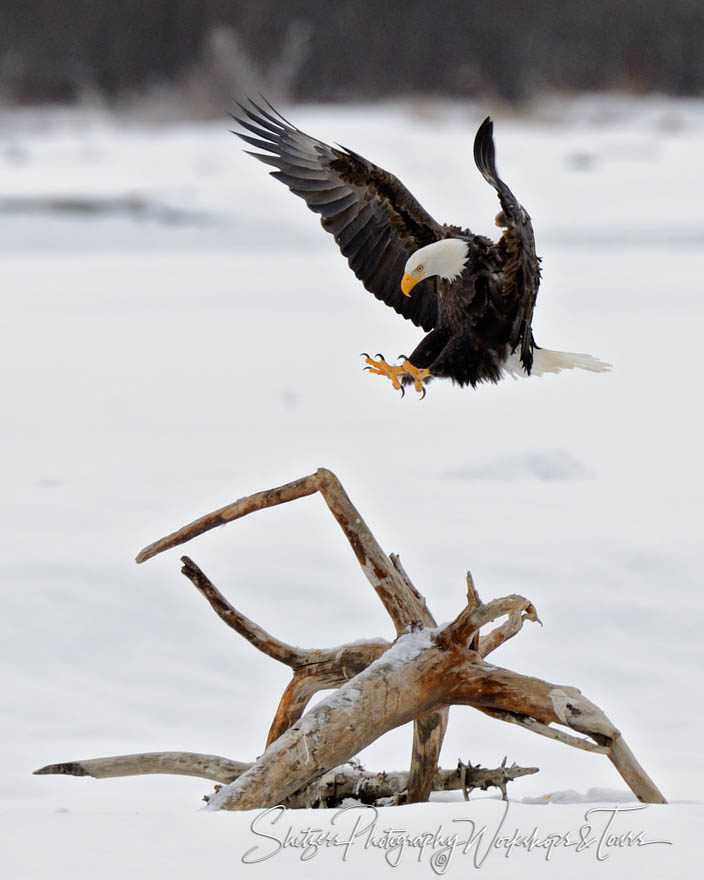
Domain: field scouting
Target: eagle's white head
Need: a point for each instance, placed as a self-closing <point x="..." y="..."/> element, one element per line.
<point x="445" y="258"/>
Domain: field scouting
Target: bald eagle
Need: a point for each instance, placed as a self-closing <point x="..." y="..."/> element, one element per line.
<point x="473" y="297"/>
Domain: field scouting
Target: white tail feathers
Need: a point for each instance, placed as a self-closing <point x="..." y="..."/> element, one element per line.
<point x="547" y="361"/>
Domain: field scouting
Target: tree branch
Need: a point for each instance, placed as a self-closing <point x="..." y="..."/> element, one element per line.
<point x="249" y="630"/>
<point x="314" y="669"/>
<point x="178" y="763"/>
<point x="229" y="513"/>
<point x="401" y="600"/>
<point x="531" y="724"/>
<point x="471" y="619"/>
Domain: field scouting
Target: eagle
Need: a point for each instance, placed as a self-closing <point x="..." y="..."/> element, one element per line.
<point x="472" y="296"/>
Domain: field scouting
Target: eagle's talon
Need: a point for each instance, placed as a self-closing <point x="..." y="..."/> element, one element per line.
<point x="404" y="373"/>
<point x="417" y="374"/>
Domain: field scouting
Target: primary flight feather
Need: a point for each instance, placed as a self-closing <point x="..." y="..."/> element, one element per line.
<point x="473" y="297"/>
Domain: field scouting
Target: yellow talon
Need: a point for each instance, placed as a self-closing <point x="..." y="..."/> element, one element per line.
<point x="381" y="368"/>
<point x="418" y="375"/>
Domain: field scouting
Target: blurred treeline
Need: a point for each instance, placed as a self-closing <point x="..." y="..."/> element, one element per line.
<point x="203" y="51"/>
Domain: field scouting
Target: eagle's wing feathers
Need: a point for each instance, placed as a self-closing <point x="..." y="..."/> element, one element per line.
<point x="375" y="220"/>
<point x="521" y="272"/>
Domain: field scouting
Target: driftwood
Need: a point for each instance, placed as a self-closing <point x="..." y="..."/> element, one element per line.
<point x="348" y="781"/>
<point x="176" y="763"/>
<point x="380" y="685"/>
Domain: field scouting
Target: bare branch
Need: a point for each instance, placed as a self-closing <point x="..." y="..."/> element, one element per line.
<point x="507" y="630"/>
<point x="402" y="601"/>
<point x="314" y="669"/>
<point x="259" y="501"/>
<point x="396" y="562"/>
<point x="473" y="600"/>
<point x="178" y="763"/>
<point x="247" y="628"/>
<point x="616" y="749"/>
<point x="633" y="774"/>
<point x="470" y="619"/>
<point x="545" y="730"/>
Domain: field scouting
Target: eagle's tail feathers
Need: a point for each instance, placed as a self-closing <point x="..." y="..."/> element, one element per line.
<point x="547" y="361"/>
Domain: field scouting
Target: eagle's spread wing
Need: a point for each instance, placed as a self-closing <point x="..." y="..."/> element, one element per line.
<point x="376" y="222"/>
<point x="521" y="273"/>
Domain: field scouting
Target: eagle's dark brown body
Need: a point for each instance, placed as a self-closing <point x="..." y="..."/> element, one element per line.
<point x="473" y="322"/>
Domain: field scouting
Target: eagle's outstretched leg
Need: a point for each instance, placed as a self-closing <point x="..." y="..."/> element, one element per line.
<point x="398" y="374"/>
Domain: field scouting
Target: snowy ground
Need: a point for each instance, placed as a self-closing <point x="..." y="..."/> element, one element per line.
<point x="179" y="332"/>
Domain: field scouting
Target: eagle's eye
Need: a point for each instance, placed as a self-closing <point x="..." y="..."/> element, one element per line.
<point x="419" y="268"/>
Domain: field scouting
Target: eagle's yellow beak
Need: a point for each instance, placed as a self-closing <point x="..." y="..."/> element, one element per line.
<point x="408" y="282"/>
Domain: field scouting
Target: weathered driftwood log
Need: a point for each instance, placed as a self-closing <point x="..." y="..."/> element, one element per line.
<point x="347" y="781"/>
<point x="380" y="685"/>
<point x="383" y="789"/>
<point x="422" y="670"/>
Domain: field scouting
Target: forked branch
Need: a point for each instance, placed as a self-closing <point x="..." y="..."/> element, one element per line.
<point x="403" y="602"/>
<point x="248" y="629"/>
<point x="313" y="669"/>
